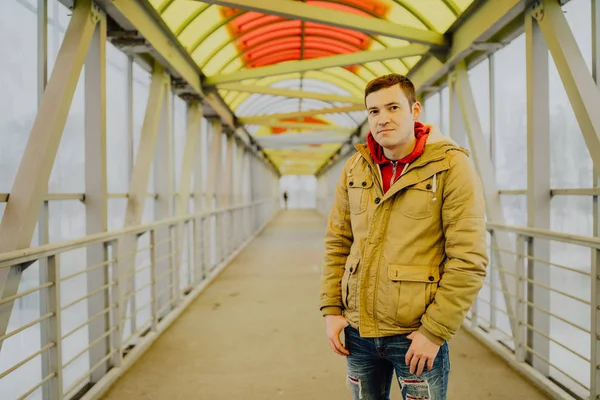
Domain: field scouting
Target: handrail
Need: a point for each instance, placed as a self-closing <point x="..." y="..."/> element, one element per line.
<point x="33" y="253"/>
<point x="588" y="241"/>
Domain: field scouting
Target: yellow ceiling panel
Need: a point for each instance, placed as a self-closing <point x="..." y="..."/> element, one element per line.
<point x="400" y="15"/>
<point x="178" y="13"/>
<point x="463" y="4"/>
<point x="396" y="66"/>
<point x="411" y="61"/>
<point x="220" y="60"/>
<point x="440" y="16"/>
<point x="158" y="3"/>
<point x="202" y="25"/>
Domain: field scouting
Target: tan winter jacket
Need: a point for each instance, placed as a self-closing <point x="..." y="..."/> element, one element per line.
<point x="414" y="258"/>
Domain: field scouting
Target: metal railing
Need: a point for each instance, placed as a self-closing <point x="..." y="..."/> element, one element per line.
<point x="551" y="302"/>
<point x="152" y="272"/>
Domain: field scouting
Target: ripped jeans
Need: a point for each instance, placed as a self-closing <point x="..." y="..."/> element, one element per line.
<point x="372" y="362"/>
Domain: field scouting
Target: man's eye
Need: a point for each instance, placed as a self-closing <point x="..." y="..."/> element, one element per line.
<point x="394" y="108"/>
<point x="372" y="112"/>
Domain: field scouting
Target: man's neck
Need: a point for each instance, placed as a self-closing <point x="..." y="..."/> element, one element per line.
<point x="400" y="151"/>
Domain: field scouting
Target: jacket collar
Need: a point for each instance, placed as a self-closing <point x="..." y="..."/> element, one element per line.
<point x="435" y="150"/>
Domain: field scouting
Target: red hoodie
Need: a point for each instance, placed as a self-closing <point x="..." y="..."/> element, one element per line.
<point x="391" y="170"/>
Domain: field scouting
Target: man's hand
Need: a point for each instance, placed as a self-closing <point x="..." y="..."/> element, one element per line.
<point x="421" y="351"/>
<point x="334" y="325"/>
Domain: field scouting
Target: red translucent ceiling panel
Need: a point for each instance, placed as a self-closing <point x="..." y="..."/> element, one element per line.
<point x="257" y="34"/>
<point x="304" y="120"/>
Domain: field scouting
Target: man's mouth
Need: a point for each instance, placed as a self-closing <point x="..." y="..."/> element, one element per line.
<point x="385" y="130"/>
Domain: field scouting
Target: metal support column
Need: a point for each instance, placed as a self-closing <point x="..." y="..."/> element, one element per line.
<point x="595" y="266"/>
<point x="199" y="201"/>
<point x="457" y="126"/>
<point x="538" y="191"/>
<point x="46" y="330"/>
<point x="213" y="177"/>
<point x="168" y="251"/>
<point x="96" y="196"/>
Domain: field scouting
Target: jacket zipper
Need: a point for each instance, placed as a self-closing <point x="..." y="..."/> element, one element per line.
<point x="394" y="163"/>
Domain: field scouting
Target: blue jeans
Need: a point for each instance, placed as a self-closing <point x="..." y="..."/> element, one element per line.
<point x="372" y="362"/>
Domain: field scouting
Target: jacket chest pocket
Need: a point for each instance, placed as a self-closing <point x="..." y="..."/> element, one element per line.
<point x="417" y="201"/>
<point x="359" y="188"/>
<point x="413" y="289"/>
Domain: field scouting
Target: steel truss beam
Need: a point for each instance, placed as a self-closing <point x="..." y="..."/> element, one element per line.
<point x="301" y="125"/>
<point x="577" y="80"/>
<point x="342" y="60"/>
<point x="485" y="169"/>
<point x="234" y="87"/>
<point x="136" y="198"/>
<point x="305" y="12"/>
<point x="300" y="114"/>
<point x="31" y="183"/>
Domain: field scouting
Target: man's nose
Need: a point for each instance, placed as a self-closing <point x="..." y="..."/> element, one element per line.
<point x="384" y="118"/>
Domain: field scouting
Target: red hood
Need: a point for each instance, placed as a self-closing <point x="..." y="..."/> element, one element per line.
<point x="421" y="133"/>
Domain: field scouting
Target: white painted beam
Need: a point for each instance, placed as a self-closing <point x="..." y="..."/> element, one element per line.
<point x="314" y="64"/>
<point x="235" y="87"/>
<point x="321" y="111"/>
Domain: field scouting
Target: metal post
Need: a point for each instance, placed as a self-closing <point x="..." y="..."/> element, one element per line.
<point x="595" y="266"/>
<point x="154" y="275"/>
<point x="55" y="329"/>
<point x="520" y="335"/>
<point x="43" y="219"/>
<point x="117" y="314"/>
<point x="492" y="94"/>
<point x="96" y="196"/>
<point x="538" y="188"/>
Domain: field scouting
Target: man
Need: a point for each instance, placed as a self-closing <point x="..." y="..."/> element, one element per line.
<point x="285" y="199"/>
<point x="405" y="250"/>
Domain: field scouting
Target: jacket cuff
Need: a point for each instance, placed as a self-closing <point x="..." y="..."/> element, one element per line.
<point x="435" y="339"/>
<point x="331" y="310"/>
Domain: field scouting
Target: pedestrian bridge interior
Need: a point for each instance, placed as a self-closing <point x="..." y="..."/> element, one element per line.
<point x="146" y="251"/>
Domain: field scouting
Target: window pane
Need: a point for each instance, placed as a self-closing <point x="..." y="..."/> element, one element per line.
<point x="570" y="161"/>
<point x="511" y="116"/>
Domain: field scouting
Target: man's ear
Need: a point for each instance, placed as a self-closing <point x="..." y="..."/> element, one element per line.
<point x="416" y="110"/>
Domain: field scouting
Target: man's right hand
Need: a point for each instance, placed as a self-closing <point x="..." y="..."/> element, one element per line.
<point x="334" y="325"/>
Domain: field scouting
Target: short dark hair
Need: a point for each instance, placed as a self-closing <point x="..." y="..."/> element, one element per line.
<point x="386" y="81"/>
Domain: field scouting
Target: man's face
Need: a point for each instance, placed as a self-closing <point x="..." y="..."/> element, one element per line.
<point x="391" y="118"/>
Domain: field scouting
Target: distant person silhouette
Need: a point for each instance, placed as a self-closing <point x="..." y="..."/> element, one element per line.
<point x="285" y="199"/>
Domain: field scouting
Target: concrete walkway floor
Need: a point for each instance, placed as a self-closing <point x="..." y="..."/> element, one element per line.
<point x="256" y="334"/>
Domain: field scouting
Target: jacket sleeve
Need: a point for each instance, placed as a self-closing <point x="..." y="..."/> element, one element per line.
<point x="463" y="219"/>
<point x="338" y="241"/>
